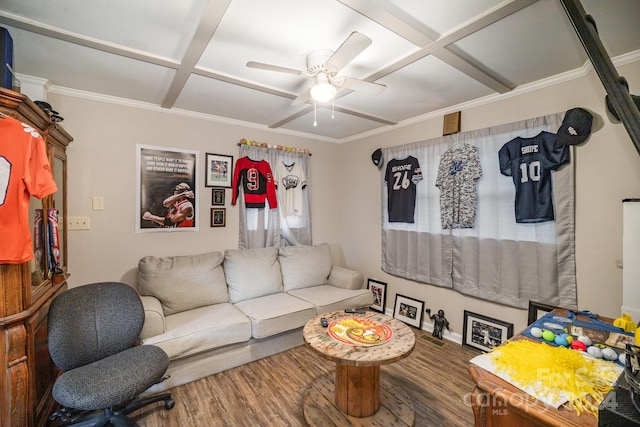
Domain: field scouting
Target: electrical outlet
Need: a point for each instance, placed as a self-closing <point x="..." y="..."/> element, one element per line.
<point x="78" y="223"/>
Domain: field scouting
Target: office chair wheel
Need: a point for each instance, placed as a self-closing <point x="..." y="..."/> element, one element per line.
<point x="170" y="403"/>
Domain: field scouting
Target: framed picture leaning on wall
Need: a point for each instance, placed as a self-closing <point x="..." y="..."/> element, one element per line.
<point x="218" y="170"/>
<point x="408" y="310"/>
<point x="379" y="291"/>
<point x="484" y="333"/>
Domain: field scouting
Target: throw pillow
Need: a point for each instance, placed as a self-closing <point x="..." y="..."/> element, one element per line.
<point x="305" y="266"/>
<point x="252" y="273"/>
<point x="183" y="282"/>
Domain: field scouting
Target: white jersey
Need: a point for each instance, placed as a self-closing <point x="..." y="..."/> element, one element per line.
<point x="290" y="181"/>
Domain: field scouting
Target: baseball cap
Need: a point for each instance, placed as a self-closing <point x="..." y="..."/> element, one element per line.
<point x="376" y="158"/>
<point x="46" y="107"/>
<point x="576" y="126"/>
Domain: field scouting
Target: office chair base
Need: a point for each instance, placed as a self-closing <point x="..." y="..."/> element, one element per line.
<point x="116" y="416"/>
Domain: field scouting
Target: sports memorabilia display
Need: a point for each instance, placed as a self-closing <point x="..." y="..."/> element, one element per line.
<point x="401" y="178"/>
<point x="256" y="179"/>
<point x="290" y="181"/>
<point x="576" y="126"/>
<point x="24" y="172"/>
<point x="377" y="158"/>
<point x="458" y="171"/>
<point x="529" y="161"/>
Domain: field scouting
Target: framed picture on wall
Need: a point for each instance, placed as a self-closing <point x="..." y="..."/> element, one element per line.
<point x="166" y="189"/>
<point x="217" y="197"/>
<point x="218" y="217"/>
<point x="379" y="291"/>
<point x="484" y="333"/>
<point x="408" y="310"/>
<point x="218" y="170"/>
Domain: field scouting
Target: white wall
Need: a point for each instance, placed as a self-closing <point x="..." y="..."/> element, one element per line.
<point x="608" y="170"/>
<point x="344" y="188"/>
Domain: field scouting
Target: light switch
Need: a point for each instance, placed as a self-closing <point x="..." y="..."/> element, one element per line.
<point x="98" y="203"/>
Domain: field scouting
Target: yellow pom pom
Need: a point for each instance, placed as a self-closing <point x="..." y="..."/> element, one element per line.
<point x="554" y="370"/>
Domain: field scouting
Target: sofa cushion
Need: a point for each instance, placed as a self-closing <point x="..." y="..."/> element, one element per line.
<point x="305" y="266"/>
<point x="252" y="273"/>
<point x="276" y="313"/>
<point x="202" y="329"/>
<point x="183" y="282"/>
<point x="329" y="298"/>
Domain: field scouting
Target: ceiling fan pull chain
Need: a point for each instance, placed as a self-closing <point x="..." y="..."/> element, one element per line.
<point x="315" y="123"/>
<point x="333" y="108"/>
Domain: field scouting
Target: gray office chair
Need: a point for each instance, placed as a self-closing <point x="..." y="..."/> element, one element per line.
<point x="93" y="331"/>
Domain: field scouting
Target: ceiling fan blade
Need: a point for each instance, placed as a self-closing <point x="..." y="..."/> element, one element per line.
<point x="277" y="68"/>
<point x="348" y="50"/>
<point x="302" y="98"/>
<point x="360" y="85"/>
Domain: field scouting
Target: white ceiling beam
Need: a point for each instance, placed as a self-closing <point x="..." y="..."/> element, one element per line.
<point x="416" y="33"/>
<point x="309" y="108"/>
<point x="207" y="26"/>
<point x="70" y="37"/>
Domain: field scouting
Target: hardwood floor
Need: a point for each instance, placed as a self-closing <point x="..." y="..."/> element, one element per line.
<point x="269" y="392"/>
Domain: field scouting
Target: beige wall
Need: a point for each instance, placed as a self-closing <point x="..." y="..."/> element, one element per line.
<point x="102" y="162"/>
<point x="608" y="170"/>
<point x="344" y="188"/>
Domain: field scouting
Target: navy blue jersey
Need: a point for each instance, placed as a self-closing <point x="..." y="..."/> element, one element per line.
<point x="529" y="161"/>
<point x="401" y="178"/>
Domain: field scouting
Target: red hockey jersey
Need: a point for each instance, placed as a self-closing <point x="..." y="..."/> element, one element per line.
<point x="257" y="183"/>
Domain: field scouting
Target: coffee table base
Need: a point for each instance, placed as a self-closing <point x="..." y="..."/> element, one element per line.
<point x="320" y="409"/>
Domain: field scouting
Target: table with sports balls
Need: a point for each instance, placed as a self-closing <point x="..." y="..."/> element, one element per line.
<point x="359" y="343"/>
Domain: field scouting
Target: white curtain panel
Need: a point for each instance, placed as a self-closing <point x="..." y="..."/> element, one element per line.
<point x="498" y="259"/>
<point x="261" y="228"/>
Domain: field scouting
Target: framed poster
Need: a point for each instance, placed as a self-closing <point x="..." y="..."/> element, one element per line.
<point x="218" y="170"/>
<point x="218" y="217"/>
<point x="217" y="197"/>
<point x="484" y="333"/>
<point x="166" y="189"/>
<point x="408" y="310"/>
<point x="379" y="291"/>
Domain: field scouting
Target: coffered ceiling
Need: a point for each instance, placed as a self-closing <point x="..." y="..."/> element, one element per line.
<point x="191" y="55"/>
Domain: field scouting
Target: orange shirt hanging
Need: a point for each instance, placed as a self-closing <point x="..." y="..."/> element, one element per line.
<point x="24" y="172"/>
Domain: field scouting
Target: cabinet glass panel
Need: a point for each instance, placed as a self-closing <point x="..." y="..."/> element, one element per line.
<point x="38" y="234"/>
<point x="59" y="253"/>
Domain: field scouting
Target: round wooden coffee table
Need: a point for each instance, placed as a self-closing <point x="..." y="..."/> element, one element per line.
<point x="357" y="380"/>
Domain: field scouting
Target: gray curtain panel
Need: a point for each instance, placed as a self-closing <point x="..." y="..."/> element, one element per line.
<point x="496" y="258"/>
<point x="261" y="228"/>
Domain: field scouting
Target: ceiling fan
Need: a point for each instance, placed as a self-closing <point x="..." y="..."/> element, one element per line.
<point x="324" y="66"/>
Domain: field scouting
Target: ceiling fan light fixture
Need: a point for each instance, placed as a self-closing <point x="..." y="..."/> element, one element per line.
<point x="323" y="91"/>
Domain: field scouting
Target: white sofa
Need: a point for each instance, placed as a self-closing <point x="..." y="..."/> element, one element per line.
<point x="211" y="312"/>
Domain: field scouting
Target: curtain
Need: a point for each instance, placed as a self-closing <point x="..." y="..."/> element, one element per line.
<point x="496" y="258"/>
<point x="260" y="228"/>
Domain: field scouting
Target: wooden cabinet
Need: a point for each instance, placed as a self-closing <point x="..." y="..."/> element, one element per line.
<point x="26" y="290"/>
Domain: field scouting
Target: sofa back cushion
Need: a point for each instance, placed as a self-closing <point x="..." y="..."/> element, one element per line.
<point x="183" y="282"/>
<point x="252" y="273"/>
<point x="305" y="266"/>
